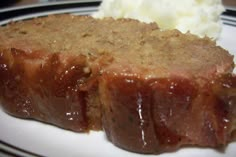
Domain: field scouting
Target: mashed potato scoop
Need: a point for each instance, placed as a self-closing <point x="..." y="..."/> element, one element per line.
<point x="199" y="17"/>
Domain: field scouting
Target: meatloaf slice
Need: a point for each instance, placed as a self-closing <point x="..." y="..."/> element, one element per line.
<point x="151" y="90"/>
<point x="50" y="66"/>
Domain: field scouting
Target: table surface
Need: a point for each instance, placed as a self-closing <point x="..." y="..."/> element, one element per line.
<point x="230" y="2"/>
<point x="25" y="2"/>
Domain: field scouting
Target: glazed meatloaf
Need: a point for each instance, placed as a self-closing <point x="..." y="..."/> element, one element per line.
<point x="151" y="91"/>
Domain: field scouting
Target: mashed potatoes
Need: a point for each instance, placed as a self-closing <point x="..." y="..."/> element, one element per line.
<point x="200" y="17"/>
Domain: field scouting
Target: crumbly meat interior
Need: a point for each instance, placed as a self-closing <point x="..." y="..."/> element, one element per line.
<point x="127" y="41"/>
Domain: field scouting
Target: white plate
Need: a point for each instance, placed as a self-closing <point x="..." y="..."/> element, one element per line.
<point x="233" y="8"/>
<point x="19" y="137"/>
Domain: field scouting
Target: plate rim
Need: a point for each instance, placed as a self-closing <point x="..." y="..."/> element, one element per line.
<point x="228" y="7"/>
<point x="11" y="150"/>
<point x="37" y="10"/>
<point x="7" y="9"/>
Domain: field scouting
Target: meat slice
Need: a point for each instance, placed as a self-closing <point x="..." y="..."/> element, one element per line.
<point x="49" y="67"/>
<point x="162" y="114"/>
<point x="152" y="91"/>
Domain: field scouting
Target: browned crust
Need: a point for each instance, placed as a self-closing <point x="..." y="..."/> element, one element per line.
<point x="46" y="87"/>
<point x="160" y="115"/>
